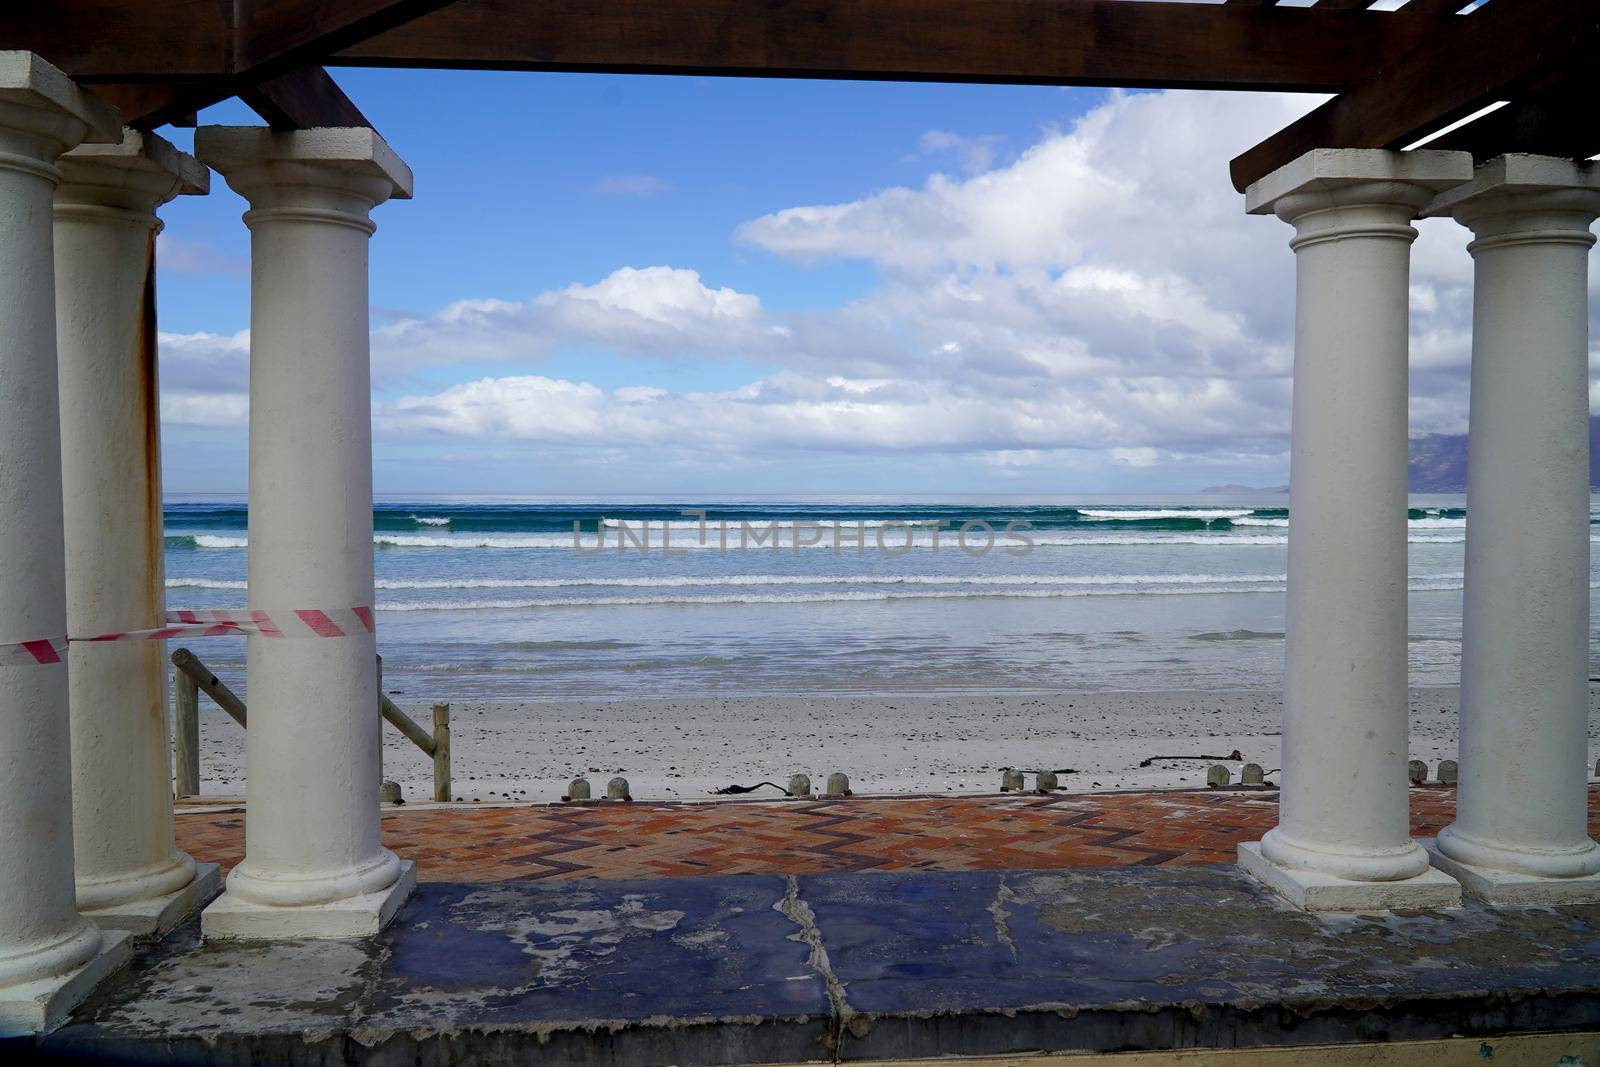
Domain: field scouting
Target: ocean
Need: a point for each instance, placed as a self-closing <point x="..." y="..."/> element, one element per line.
<point x="491" y="598"/>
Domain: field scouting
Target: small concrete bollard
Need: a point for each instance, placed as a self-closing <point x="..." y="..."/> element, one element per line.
<point x="1046" y="781"/>
<point x="799" y="785"/>
<point x="1417" y="771"/>
<point x="1447" y="771"/>
<point x="839" y="784"/>
<point x="578" y="789"/>
<point x="1218" y="776"/>
<point x="617" y="789"/>
<point x="1252" y="774"/>
<point x="389" y="793"/>
<point x="1011" y="782"/>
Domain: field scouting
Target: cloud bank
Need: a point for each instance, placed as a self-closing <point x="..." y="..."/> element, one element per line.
<point x="1104" y="292"/>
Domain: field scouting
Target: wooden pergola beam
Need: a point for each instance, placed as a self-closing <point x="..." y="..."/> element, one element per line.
<point x="1050" y="42"/>
<point x="117" y="41"/>
<point x="1475" y="60"/>
<point x="301" y="99"/>
<point x="274" y="36"/>
<point x="160" y="59"/>
<point x="1556" y="118"/>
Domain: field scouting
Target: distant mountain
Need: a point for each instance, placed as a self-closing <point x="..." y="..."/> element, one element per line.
<point x="1439" y="461"/>
<point x="1239" y="490"/>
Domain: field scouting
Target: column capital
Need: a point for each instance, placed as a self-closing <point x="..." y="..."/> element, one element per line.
<point x="43" y="112"/>
<point x="1330" y="178"/>
<point x="135" y="176"/>
<point x="333" y="174"/>
<point x="1523" y="198"/>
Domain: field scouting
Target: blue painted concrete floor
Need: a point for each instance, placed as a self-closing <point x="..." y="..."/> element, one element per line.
<point x="748" y="969"/>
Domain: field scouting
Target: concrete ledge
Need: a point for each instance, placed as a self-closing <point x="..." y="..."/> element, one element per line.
<point x="34" y="1007"/>
<point x="158" y="916"/>
<point x="1522" y="1050"/>
<point x="1508" y="887"/>
<point x="363" y="916"/>
<point x="1312" y="891"/>
<point x="846" y="968"/>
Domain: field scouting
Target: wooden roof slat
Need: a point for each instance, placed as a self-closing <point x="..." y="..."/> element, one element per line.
<point x="1053" y="42"/>
<point x="1435" y="7"/>
<point x="1476" y="60"/>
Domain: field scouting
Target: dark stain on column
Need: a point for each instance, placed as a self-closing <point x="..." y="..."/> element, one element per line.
<point x="148" y="399"/>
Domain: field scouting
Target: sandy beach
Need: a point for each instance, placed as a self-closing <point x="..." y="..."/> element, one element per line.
<point x="675" y="749"/>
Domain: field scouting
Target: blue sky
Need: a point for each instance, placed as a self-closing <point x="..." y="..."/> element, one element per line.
<point x="665" y="284"/>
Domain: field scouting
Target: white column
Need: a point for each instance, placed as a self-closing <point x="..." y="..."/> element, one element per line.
<point x="314" y="865"/>
<point x="1520" y="834"/>
<point x="1343" y="841"/>
<point x="129" y="874"/>
<point x="50" y="956"/>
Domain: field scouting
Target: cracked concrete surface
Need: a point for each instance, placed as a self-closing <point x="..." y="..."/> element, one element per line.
<point x="732" y="969"/>
<point x="998" y="909"/>
<point x="799" y="912"/>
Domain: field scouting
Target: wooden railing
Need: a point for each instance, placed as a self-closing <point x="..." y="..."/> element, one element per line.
<point x="192" y="678"/>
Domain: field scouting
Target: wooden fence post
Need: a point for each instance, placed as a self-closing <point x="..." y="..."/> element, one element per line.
<point x="441" y="752"/>
<point x="380" y="724"/>
<point x="186" y="727"/>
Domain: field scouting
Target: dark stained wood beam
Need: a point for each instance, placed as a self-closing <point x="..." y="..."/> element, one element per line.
<point x="274" y="36"/>
<point x="301" y="99"/>
<point x="1343" y="5"/>
<point x="119" y="41"/>
<point x="180" y="40"/>
<point x="1051" y="42"/>
<point x="160" y="59"/>
<point x="146" y="105"/>
<point x="1555" y="118"/>
<point x="1486" y="56"/>
<point x="1435" y="7"/>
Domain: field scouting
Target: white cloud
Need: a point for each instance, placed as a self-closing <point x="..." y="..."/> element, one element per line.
<point x="204" y="378"/>
<point x="662" y="312"/>
<point x="975" y="153"/>
<point x="798" y="413"/>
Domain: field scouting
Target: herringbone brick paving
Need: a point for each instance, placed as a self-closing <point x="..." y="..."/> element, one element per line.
<point x="969" y="833"/>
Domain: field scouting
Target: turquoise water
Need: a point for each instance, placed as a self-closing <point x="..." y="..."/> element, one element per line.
<point x="497" y="598"/>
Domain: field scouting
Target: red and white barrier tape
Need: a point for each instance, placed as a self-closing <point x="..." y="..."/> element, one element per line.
<point x="298" y="622"/>
<point x="33" y="653"/>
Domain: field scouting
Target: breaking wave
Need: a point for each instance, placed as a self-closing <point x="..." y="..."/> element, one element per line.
<point x="920" y="540"/>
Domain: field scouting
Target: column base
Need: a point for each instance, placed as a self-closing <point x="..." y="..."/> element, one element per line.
<point x="359" y="916"/>
<point x="157" y="916"/>
<point x="43" y="1004"/>
<point x="1513" y="887"/>
<point x="1314" y="891"/>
